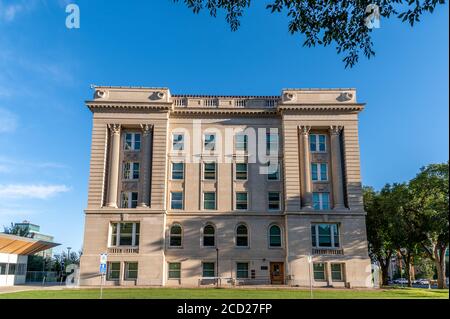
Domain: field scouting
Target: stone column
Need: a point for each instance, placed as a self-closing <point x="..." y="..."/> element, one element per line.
<point x="146" y="161"/>
<point x="114" y="165"/>
<point x="336" y="167"/>
<point x="328" y="274"/>
<point x="306" y="168"/>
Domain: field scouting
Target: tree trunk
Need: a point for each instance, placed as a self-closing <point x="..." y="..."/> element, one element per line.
<point x="439" y="261"/>
<point x="408" y="268"/>
<point x="385" y="273"/>
<point x="407" y="259"/>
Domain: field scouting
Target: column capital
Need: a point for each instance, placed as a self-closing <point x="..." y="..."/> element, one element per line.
<point x="146" y="129"/>
<point x="335" y="129"/>
<point x="115" y="128"/>
<point x="304" y="129"/>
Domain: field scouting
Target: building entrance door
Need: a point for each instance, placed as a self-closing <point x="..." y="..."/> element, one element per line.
<point x="277" y="273"/>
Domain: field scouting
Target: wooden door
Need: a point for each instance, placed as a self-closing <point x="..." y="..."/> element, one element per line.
<point x="277" y="273"/>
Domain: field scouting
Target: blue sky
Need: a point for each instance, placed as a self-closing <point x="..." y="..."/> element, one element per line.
<point x="46" y="70"/>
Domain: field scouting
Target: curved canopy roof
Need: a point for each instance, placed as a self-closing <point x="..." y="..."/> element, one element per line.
<point x="12" y="244"/>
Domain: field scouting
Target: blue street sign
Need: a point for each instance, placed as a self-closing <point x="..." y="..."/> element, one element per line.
<point x="103" y="268"/>
<point x="103" y="261"/>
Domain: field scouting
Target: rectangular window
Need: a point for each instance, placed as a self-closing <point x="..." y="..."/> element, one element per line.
<point x="272" y="143"/>
<point x="319" y="271"/>
<point x="3" y="268"/>
<point x="319" y="171"/>
<point x="177" y="142"/>
<point x="325" y="235"/>
<point x="209" y="200"/>
<point x="241" y="200"/>
<point x="176" y="200"/>
<point x="113" y="271"/>
<point x="11" y="269"/>
<point x="336" y="272"/>
<point x="274" y="200"/>
<point x="21" y="269"/>
<point x="274" y="176"/>
<point x="174" y="270"/>
<point x="132" y="141"/>
<point x="209" y="171"/>
<point x="131" y="270"/>
<point x="129" y="200"/>
<point x="241" y="142"/>
<point x="209" y="270"/>
<point x="210" y="142"/>
<point x="317" y="142"/>
<point x="177" y="171"/>
<point x="124" y="234"/>
<point x="130" y="170"/>
<point x="321" y="201"/>
<point x="241" y="270"/>
<point x="241" y="171"/>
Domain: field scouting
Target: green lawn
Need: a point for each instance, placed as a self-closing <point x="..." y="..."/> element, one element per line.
<point x="211" y="293"/>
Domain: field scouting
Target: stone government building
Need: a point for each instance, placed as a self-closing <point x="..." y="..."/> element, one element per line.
<point x="169" y="219"/>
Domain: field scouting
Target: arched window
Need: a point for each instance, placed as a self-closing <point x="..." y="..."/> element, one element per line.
<point x="242" y="236"/>
<point x="175" y="235"/>
<point x="274" y="236"/>
<point x="209" y="236"/>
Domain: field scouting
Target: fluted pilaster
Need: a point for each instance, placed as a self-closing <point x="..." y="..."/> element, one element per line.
<point x="306" y="168"/>
<point x="113" y="183"/>
<point x="336" y="167"/>
<point x="146" y="163"/>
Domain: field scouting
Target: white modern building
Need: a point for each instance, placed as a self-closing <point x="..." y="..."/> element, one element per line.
<point x="14" y="252"/>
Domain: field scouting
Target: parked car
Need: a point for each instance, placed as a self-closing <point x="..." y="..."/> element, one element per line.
<point x="400" y="281"/>
<point x="422" y="281"/>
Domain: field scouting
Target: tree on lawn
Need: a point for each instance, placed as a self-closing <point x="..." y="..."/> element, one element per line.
<point x="326" y="22"/>
<point x="406" y="236"/>
<point x="430" y="201"/>
<point x="380" y="231"/>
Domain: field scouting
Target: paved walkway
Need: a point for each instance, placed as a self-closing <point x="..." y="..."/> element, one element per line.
<point x="17" y="288"/>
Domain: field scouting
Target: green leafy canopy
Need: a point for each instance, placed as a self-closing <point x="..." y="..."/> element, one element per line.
<point x="325" y="22"/>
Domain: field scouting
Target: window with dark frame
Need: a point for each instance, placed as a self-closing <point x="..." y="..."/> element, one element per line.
<point x="241" y="200"/>
<point x="209" y="171"/>
<point x="131" y="270"/>
<point x="132" y="141"/>
<point x="124" y="234"/>
<point x="209" y="270"/>
<point x="274" y="236"/>
<point x="209" y="236"/>
<point x="174" y="270"/>
<point x="242" y="236"/>
<point x="176" y="233"/>
<point x="177" y="171"/>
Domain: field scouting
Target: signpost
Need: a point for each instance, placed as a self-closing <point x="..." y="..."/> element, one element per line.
<point x="103" y="261"/>
<point x="62" y="269"/>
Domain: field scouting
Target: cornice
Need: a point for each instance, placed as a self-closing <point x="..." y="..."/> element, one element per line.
<point x="115" y="211"/>
<point x="342" y="213"/>
<point x="244" y="111"/>
<point x="122" y="105"/>
<point x="352" y="107"/>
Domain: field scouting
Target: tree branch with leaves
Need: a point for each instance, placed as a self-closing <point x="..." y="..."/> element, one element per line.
<point x="326" y="22"/>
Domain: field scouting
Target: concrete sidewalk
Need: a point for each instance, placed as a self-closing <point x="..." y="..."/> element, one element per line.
<point x="28" y="287"/>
